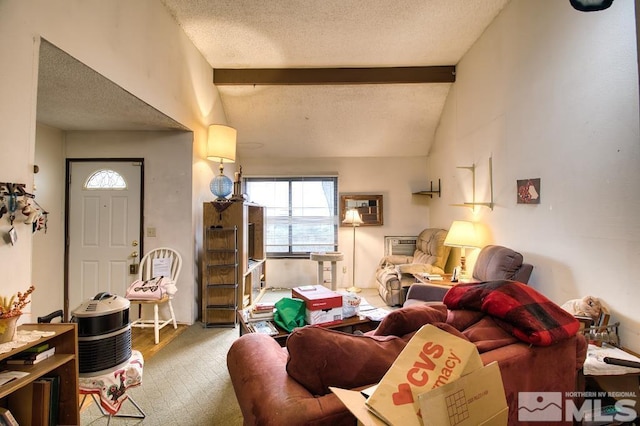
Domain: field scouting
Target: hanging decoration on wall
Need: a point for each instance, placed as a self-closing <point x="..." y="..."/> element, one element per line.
<point x="14" y="199"/>
<point x="528" y="191"/>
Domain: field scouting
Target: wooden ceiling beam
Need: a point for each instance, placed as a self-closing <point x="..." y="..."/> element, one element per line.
<point x="333" y="76"/>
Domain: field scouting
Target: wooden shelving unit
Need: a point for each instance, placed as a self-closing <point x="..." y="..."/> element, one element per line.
<point x="220" y="276"/>
<point x="63" y="364"/>
<point x="249" y="221"/>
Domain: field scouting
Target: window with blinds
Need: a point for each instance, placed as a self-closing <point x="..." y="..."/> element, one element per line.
<point x="301" y="213"/>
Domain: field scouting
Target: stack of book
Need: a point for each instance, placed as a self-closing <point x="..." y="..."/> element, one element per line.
<point x="32" y="355"/>
<point x="261" y="312"/>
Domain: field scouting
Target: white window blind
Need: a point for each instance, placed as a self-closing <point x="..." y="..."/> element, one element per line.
<point x="301" y="213"/>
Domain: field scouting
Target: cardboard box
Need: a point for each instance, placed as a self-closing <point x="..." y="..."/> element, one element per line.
<point x="459" y="386"/>
<point x="323" y="316"/>
<point x="474" y="399"/>
<point x="321" y="304"/>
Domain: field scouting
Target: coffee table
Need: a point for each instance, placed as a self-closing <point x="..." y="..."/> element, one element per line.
<point x="348" y="325"/>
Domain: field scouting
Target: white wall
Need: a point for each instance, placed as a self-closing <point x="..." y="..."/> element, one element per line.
<point x="404" y="214"/>
<point x="48" y="247"/>
<point x="138" y="46"/>
<point x="552" y="93"/>
<point x="167" y="193"/>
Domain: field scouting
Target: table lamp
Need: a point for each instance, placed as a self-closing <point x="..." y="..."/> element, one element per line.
<point x="462" y="234"/>
<point x="221" y="146"/>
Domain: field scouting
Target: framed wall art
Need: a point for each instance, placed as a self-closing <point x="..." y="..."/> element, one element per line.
<point x="528" y="191"/>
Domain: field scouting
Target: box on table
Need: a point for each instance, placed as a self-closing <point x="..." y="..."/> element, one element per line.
<point x="321" y="304"/>
<point x="437" y="374"/>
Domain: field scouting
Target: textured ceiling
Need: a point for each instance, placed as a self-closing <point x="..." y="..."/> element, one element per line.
<point x="72" y="96"/>
<point x="319" y="120"/>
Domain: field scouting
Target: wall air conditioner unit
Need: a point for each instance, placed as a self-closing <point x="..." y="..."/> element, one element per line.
<point x="404" y="246"/>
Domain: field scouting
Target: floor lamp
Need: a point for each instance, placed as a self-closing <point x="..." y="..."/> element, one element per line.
<point x="352" y="217"/>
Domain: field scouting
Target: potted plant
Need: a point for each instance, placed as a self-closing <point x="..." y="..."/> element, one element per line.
<point x="10" y="311"/>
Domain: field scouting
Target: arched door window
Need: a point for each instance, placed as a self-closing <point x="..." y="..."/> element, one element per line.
<point x="105" y="179"/>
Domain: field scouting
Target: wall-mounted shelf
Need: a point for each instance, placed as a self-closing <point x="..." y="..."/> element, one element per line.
<point x="431" y="190"/>
<point x="473" y="202"/>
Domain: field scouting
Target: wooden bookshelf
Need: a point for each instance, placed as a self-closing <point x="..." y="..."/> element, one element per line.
<point x="63" y="364"/>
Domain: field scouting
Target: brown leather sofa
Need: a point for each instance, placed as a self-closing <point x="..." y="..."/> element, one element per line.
<point x="289" y="386"/>
<point x="396" y="271"/>
<point x="494" y="262"/>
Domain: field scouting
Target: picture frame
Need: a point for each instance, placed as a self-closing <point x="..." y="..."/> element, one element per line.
<point x="528" y="191"/>
<point x="370" y="208"/>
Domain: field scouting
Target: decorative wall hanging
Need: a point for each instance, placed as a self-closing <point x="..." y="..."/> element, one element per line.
<point x="528" y="191"/>
<point x="13" y="198"/>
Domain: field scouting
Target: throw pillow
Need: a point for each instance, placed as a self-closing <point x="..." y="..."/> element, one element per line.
<point x="319" y="358"/>
<point x="487" y="336"/>
<point x="409" y="319"/>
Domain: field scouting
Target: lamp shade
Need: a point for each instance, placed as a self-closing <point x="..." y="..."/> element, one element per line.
<point x="462" y="234"/>
<point x="221" y="143"/>
<point x="352" y="217"/>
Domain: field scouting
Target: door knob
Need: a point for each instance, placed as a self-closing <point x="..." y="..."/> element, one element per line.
<point x="134" y="243"/>
<point x="134" y="254"/>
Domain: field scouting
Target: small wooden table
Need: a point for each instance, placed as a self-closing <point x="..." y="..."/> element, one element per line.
<point x="445" y="282"/>
<point x="348" y="325"/>
<point x="436" y="289"/>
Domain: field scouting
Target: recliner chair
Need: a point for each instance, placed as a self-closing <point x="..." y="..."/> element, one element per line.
<point x="494" y="262"/>
<point x="396" y="271"/>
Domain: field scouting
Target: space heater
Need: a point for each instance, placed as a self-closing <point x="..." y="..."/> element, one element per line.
<point x="104" y="333"/>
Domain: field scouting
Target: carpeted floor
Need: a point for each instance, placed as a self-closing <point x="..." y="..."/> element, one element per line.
<point x="186" y="383"/>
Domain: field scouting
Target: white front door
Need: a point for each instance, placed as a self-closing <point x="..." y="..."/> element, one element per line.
<point x="104" y="228"/>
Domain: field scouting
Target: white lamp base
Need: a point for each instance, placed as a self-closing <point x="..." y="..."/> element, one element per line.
<point x="354" y="289"/>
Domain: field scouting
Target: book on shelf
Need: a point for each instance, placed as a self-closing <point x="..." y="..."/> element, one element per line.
<point x="41" y="407"/>
<point x="37" y="349"/>
<point x="6" y="418"/>
<point x="54" y="398"/>
<point x="30" y="358"/>
<point x="30" y="405"/>
<point x="7" y="376"/>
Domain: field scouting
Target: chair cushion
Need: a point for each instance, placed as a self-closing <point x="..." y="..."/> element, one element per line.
<point x="430" y="248"/>
<point x="418" y="268"/>
<point x="497" y="263"/>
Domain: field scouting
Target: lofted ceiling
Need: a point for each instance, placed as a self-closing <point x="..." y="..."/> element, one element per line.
<point x="306" y="120"/>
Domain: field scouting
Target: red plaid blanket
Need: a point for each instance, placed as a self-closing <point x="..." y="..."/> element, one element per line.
<point x="518" y="308"/>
